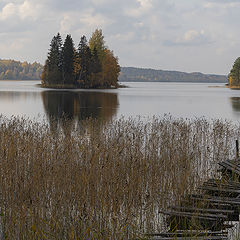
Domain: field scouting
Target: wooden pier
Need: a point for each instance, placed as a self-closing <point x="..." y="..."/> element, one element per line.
<point x="206" y="214"/>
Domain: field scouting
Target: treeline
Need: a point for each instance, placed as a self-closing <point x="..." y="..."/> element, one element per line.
<point x="234" y="75"/>
<point x="15" y="70"/>
<point x="90" y="65"/>
<point x="131" y="74"/>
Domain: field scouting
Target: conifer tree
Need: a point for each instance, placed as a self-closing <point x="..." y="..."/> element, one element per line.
<point x="68" y="55"/>
<point x="60" y="45"/>
<point x="83" y="58"/>
<point x="53" y="74"/>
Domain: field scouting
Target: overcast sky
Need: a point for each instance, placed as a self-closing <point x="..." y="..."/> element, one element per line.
<point x="186" y="35"/>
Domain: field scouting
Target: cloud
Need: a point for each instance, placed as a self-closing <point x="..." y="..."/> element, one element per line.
<point x="144" y="7"/>
<point x="222" y="4"/>
<point x="27" y="9"/>
<point x="147" y="33"/>
<point x="190" y="38"/>
<point x="83" y="23"/>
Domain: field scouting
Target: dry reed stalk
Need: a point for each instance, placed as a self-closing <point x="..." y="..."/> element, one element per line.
<point x="103" y="181"/>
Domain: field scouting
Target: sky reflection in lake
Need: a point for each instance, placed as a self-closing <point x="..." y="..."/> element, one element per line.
<point x="25" y="98"/>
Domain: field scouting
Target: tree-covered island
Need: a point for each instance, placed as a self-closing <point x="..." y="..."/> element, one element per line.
<point x="91" y="65"/>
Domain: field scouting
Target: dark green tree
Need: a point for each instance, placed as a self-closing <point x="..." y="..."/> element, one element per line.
<point x="53" y="74"/>
<point x="68" y="59"/>
<point x="83" y="59"/>
<point x="60" y="45"/>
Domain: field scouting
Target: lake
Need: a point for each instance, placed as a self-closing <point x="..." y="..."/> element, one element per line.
<point x="187" y="100"/>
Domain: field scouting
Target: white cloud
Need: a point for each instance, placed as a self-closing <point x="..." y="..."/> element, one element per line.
<point x="27" y="9"/>
<point x="8" y="10"/>
<point x="84" y="22"/>
<point x="191" y="35"/>
<point x="144" y="7"/>
<point x="191" y="38"/>
<point x="223" y="5"/>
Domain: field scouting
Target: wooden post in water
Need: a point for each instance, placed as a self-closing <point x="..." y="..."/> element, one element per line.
<point x="237" y="149"/>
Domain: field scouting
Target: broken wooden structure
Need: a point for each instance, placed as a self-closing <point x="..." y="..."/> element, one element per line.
<point x="206" y="213"/>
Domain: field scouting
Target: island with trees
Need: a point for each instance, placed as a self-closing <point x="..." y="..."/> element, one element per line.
<point x="234" y="75"/>
<point x="91" y="65"/>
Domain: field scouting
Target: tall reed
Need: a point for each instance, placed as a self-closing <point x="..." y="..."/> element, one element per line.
<point x="103" y="181"/>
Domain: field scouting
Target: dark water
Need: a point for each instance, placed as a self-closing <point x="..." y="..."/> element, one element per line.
<point x="25" y="98"/>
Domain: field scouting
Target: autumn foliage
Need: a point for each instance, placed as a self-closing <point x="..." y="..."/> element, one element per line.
<point x="15" y="70"/>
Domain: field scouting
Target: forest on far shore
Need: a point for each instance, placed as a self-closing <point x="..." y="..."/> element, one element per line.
<point x="131" y="74"/>
<point x="16" y="70"/>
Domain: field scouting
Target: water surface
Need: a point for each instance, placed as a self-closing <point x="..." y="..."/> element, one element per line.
<point x="187" y="100"/>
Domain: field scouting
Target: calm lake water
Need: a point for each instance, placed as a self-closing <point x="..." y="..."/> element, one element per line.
<point x="25" y="98"/>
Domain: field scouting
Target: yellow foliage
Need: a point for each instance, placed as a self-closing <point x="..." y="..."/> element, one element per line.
<point x="230" y="80"/>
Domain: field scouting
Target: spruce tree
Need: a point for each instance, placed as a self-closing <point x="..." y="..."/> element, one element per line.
<point x="83" y="59"/>
<point x="68" y="55"/>
<point x="53" y="74"/>
<point x="60" y="45"/>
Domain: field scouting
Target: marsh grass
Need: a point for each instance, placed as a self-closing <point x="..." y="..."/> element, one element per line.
<point x="103" y="181"/>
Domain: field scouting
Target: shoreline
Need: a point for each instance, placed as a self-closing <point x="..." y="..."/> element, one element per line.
<point x="72" y="87"/>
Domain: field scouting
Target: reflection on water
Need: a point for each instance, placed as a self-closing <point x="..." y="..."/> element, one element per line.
<point x="25" y="99"/>
<point x="235" y="104"/>
<point x="79" y="105"/>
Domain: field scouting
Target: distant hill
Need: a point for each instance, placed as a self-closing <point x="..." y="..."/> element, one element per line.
<point x="15" y="70"/>
<point x="130" y="74"/>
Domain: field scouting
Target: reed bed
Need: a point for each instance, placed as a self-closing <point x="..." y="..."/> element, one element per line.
<point x="103" y="181"/>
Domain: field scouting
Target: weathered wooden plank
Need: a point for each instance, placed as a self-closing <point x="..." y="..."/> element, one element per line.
<point x="231" y="164"/>
<point x="221" y="186"/>
<point x="232" y="201"/>
<point x="211" y="217"/>
<point x="217" y="189"/>
<point x="229" y="167"/>
<point x="197" y="204"/>
<point x="191" y="238"/>
<point x="224" y="182"/>
<point x="185" y="233"/>
<point x="209" y="210"/>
